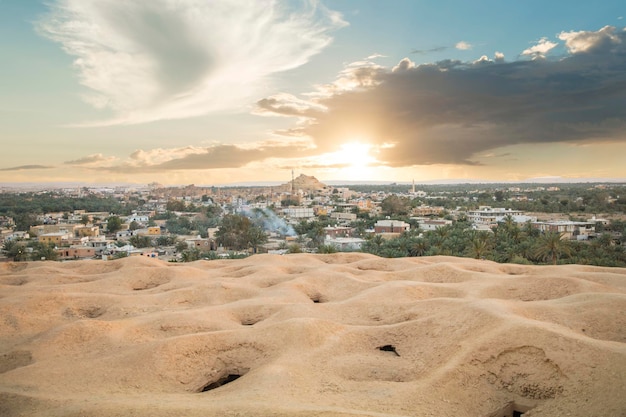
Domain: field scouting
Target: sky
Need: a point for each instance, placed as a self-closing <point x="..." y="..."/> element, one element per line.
<point x="217" y="92"/>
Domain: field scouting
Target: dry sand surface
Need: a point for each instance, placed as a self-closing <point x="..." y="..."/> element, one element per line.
<point x="311" y="335"/>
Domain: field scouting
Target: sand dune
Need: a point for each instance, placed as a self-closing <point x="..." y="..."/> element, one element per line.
<point x="311" y="335"/>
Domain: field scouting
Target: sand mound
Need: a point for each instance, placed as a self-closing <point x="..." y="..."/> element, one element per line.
<point x="311" y="335"/>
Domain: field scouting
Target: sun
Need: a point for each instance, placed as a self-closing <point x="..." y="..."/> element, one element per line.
<point x="355" y="160"/>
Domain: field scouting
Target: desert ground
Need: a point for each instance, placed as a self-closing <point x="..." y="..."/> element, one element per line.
<point x="311" y="335"/>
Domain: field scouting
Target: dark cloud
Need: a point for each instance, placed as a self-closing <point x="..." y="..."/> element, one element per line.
<point x="427" y="51"/>
<point x="214" y="157"/>
<point x="451" y="111"/>
<point x="317" y="166"/>
<point x="26" y="168"/>
<point x="90" y="159"/>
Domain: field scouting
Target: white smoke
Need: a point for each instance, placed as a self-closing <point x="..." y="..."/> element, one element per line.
<point x="269" y="221"/>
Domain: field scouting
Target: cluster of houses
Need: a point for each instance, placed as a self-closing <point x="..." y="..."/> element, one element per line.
<point x="83" y="235"/>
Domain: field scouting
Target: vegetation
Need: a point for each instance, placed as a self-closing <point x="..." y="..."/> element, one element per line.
<point x="114" y="224"/>
<point x="238" y="232"/>
<point x="508" y="243"/>
<point x="54" y="202"/>
<point x="20" y="251"/>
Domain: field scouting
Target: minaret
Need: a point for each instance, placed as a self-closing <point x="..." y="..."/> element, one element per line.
<point x="293" y="183"/>
<point x="413" y="189"/>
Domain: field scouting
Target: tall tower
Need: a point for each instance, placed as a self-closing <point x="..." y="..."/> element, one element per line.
<point x="413" y="188"/>
<point x="293" y="183"/>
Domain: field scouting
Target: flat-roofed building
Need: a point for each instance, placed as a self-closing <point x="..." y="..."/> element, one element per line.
<point x="391" y="226"/>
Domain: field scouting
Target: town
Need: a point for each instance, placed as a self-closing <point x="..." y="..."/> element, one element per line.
<point x="521" y="223"/>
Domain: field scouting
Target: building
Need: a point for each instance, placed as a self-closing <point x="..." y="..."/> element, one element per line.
<point x="56" y="239"/>
<point x="569" y="229"/>
<point x="86" y="231"/>
<point x="491" y="216"/>
<point x="391" y="226"/>
<point x="299" y="212"/>
<point x="430" y="224"/>
<point x="427" y="211"/>
<point x="338" y="231"/>
<point x="76" y="252"/>
<point x="201" y="244"/>
<point x="345" y="244"/>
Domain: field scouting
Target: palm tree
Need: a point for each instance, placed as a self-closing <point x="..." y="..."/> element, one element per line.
<point x="418" y="247"/>
<point x="479" y="247"/>
<point x="551" y="246"/>
<point x="374" y="244"/>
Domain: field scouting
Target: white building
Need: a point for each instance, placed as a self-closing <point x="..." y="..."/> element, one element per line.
<point x="428" y="224"/>
<point x="343" y="217"/>
<point x="491" y="216"/>
<point x="570" y="230"/>
<point x="299" y="212"/>
<point x="345" y="243"/>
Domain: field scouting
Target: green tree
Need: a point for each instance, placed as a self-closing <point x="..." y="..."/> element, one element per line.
<point x="114" y="224"/>
<point x="84" y="219"/>
<point x="418" y="247"/>
<point x="394" y="205"/>
<point x="190" y="255"/>
<point x="238" y="232"/>
<point x="294" y="248"/>
<point x="175" y="205"/>
<point x="140" y="241"/>
<point x="15" y="250"/>
<point x="181" y="246"/>
<point x="256" y="237"/>
<point x="179" y="225"/>
<point x="327" y="249"/>
<point x="45" y="251"/>
<point x="479" y="247"/>
<point x="551" y="246"/>
<point x="166" y="240"/>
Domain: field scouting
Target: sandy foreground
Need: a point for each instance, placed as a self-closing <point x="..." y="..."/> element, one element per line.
<point x="311" y="335"/>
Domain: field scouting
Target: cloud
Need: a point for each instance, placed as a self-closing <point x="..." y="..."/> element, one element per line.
<point x="540" y="50"/>
<point x="92" y="160"/>
<point x="463" y="46"/>
<point x="427" y="51"/>
<point x="451" y="112"/>
<point x="172" y="59"/>
<point x="604" y="40"/>
<point x="218" y="156"/>
<point x="26" y="167"/>
<point x="287" y="105"/>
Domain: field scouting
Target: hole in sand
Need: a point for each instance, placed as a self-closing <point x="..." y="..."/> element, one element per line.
<point x="389" y="348"/>
<point x="250" y="321"/>
<point x="220" y="382"/>
<point x="317" y="298"/>
<point x="512" y="409"/>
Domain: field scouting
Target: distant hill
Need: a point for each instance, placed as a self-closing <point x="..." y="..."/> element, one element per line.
<point x="304" y="183"/>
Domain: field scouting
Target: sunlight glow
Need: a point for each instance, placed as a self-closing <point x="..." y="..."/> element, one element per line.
<point x="357" y="158"/>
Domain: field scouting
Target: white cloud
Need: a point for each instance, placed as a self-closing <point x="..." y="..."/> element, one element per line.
<point x="482" y="60"/>
<point x="584" y="41"/>
<point x="463" y="46"/>
<point x="541" y="49"/>
<point x="170" y="59"/>
<point x="499" y="56"/>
